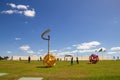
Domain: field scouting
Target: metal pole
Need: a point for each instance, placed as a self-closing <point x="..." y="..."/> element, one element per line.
<point x="48" y="44"/>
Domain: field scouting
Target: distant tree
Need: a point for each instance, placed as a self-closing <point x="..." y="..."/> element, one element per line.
<point x="6" y="57"/>
<point x="1" y="58"/>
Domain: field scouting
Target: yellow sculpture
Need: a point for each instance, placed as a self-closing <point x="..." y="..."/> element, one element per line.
<point x="49" y="60"/>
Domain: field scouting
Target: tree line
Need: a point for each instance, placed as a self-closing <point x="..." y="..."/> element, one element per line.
<point x="4" y="58"/>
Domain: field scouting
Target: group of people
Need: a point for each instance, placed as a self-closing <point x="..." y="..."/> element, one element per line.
<point x="29" y="59"/>
<point x="77" y="60"/>
<point x="116" y="58"/>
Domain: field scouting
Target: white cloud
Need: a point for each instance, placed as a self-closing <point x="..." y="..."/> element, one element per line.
<point x="68" y="48"/>
<point x="53" y="51"/>
<point x="29" y="13"/>
<point x="87" y="45"/>
<point x="115" y="48"/>
<point x="30" y="52"/>
<point x="26" y="22"/>
<point x="22" y="6"/>
<point x="83" y="51"/>
<point x="17" y="39"/>
<point x="40" y="51"/>
<point x="9" y="51"/>
<point x="64" y="53"/>
<point x="75" y="51"/>
<point x="12" y="12"/>
<point x="18" y="6"/>
<point x="25" y="47"/>
<point x="12" y="5"/>
<point x="111" y="52"/>
<point x="8" y="12"/>
<point x="20" y="9"/>
<point x="80" y="48"/>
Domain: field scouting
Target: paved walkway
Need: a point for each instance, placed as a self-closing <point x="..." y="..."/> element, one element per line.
<point x="2" y="74"/>
<point x="25" y="78"/>
<point x="31" y="78"/>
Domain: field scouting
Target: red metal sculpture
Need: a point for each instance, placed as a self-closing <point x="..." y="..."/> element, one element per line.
<point x="93" y="58"/>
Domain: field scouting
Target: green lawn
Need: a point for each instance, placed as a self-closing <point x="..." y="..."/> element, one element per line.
<point x="103" y="70"/>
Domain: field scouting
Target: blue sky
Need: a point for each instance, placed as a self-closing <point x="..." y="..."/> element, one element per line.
<point x="78" y="27"/>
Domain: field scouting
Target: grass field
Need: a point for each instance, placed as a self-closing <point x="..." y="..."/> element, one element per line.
<point x="103" y="70"/>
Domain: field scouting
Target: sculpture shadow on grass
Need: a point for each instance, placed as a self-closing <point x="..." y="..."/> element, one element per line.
<point x="43" y="66"/>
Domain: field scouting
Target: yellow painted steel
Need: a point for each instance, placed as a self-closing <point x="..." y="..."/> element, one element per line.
<point x="49" y="60"/>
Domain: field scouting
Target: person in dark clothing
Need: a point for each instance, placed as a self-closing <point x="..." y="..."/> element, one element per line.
<point x="29" y="59"/>
<point x="40" y="58"/>
<point x="77" y="60"/>
<point x="19" y="58"/>
<point x="71" y="60"/>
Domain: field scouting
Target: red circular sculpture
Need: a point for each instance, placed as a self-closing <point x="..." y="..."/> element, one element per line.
<point x="93" y="58"/>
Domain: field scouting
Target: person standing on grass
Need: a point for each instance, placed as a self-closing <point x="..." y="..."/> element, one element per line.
<point x="19" y="58"/>
<point x="117" y="57"/>
<point x="113" y="57"/>
<point x="77" y="60"/>
<point x="29" y="59"/>
<point x="71" y="60"/>
<point x="40" y="58"/>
